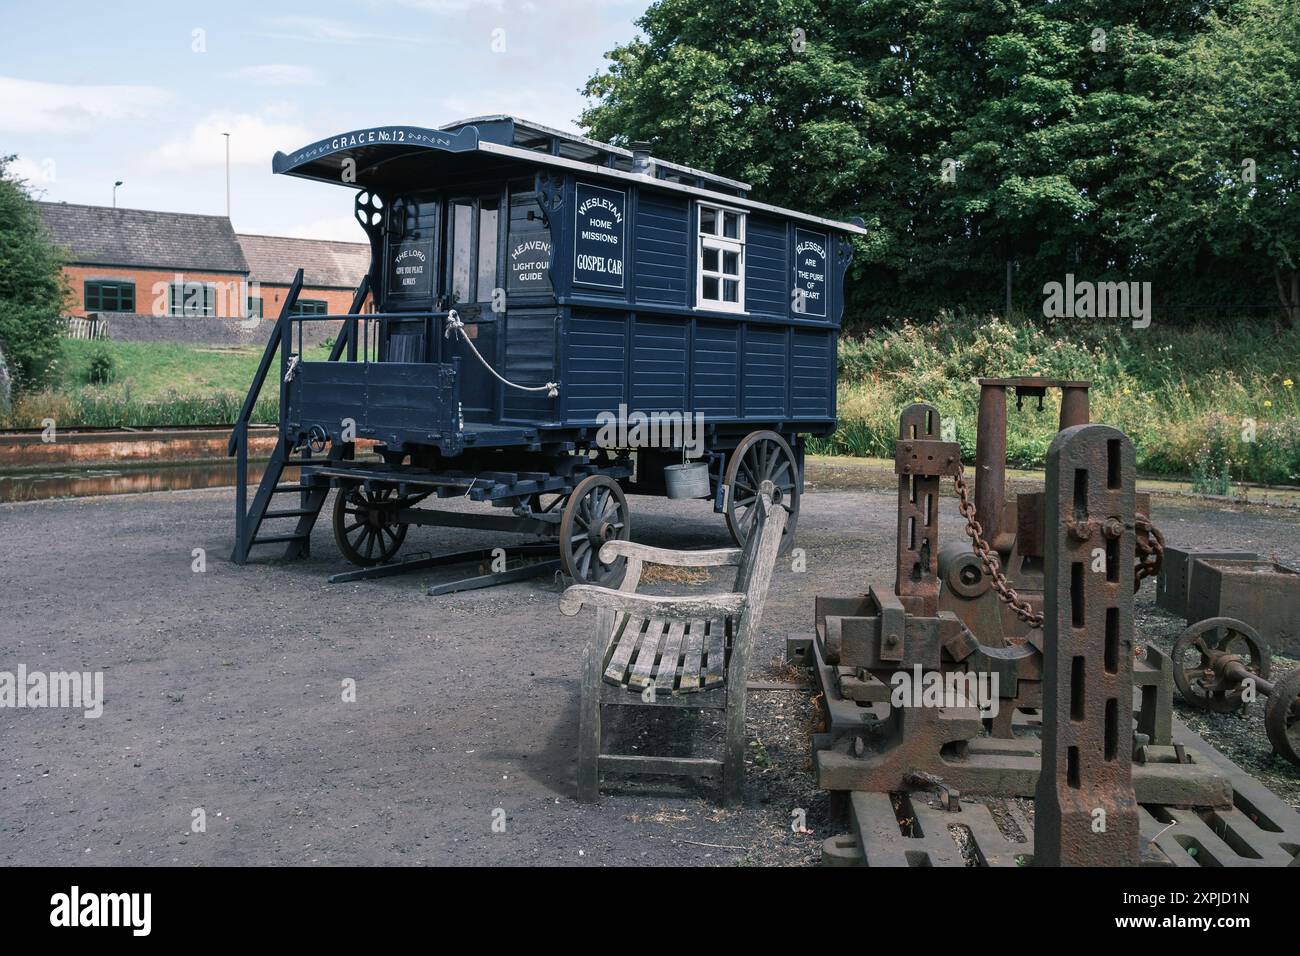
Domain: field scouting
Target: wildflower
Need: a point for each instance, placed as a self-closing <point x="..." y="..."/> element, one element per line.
<point x="1287" y="383"/>
<point x="1267" y="403"/>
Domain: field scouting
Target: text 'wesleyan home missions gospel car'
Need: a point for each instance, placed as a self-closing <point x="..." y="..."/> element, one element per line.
<point x="529" y="287"/>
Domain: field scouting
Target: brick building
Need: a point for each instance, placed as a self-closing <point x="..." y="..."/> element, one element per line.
<point x="123" y="262"/>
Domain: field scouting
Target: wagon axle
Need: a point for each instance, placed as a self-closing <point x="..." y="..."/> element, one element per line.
<point x="1221" y="664"/>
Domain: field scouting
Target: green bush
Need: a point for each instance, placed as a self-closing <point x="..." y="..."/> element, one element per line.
<point x="1214" y="403"/>
<point x="101" y="369"/>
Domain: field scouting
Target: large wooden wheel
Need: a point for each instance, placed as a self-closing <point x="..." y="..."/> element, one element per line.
<point x="761" y="456"/>
<point x="596" y="512"/>
<point x="365" y="524"/>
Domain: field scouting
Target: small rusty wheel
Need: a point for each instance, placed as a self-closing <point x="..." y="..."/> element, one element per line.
<point x="1194" y="671"/>
<point x="596" y="512"/>
<point x="365" y="525"/>
<point x="761" y="456"/>
<point x="1282" y="717"/>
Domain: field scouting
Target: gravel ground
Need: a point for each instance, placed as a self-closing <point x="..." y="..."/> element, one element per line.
<point x="223" y="694"/>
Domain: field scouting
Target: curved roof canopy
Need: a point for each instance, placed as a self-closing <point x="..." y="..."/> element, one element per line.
<point x="392" y="158"/>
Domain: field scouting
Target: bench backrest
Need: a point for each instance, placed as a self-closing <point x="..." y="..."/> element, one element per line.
<point x="758" y="557"/>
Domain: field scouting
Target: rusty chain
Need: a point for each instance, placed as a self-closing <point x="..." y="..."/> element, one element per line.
<point x="1150" y="549"/>
<point x="984" y="550"/>
<point x="1150" y="553"/>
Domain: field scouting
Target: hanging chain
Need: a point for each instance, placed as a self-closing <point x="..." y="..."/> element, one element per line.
<point x="1150" y="553"/>
<point x="1150" y="549"/>
<point x="975" y="531"/>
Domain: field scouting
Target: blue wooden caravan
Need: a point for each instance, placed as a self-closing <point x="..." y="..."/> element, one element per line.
<point x="549" y="322"/>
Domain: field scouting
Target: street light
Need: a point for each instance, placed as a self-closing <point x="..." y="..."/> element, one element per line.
<point x="115" y="185"/>
<point x="227" y="135"/>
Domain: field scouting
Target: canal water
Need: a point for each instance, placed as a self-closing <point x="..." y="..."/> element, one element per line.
<point x="75" y="483"/>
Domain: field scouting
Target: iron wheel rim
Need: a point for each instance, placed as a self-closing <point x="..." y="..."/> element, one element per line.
<point x="363" y="526"/>
<point x="1197" y="682"/>
<point x="761" y="456"/>
<point x="596" y="512"/>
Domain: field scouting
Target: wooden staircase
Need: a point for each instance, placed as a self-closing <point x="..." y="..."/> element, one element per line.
<point x="306" y="508"/>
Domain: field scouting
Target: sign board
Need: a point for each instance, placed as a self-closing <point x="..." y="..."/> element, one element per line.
<point x="410" y="268"/>
<point x="529" y="261"/>
<point x="599" y="236"/>
<point x="810" y="265"/>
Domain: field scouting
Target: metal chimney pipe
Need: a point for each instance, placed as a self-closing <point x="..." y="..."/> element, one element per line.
<point x="640" y="157"/>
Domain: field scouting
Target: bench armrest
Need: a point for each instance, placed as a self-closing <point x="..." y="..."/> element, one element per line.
<point x="675" y="607"/>
<point x="611" y="551"/>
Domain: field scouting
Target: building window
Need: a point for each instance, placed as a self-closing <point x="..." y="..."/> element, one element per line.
<point x="104" y="296"/>
<point x="194" y="299"/>
<point x="721" y="275"/>
<point x="254" y="309"/>
<point x="311" y="307"/>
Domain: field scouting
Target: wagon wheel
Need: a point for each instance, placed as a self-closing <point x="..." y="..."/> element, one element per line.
<point x="1282" y="717"/>
<point x="596" y="512"/>
<point x="1194" y="671"/>
<point x="365" y="524"/>
<point x="761" y="456"/>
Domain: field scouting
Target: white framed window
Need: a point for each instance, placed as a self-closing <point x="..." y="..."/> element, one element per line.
<point x="720" y="274"/>
<point x="194" y="299"/>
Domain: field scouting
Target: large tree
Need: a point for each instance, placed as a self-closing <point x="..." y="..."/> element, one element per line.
<point x="32" y="287"/>
<point x="965" y="132"/>
<point x="1217" y="176"/>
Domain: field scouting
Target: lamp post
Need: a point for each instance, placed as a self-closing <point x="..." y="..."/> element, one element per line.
<point x="115" y="185"/>
<point x="227" y="135"/>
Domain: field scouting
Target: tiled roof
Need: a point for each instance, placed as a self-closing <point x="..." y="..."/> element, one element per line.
<point x="100" y="235"/>
<point x="325" y="263"/>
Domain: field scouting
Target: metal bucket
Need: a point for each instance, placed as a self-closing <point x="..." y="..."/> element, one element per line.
<point x="687" y="480"/>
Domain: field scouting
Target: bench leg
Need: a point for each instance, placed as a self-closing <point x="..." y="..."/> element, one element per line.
<point x="593" y="657"/>
<point x="733" y="765"/>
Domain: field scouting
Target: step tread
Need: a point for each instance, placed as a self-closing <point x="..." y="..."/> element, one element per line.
<point x="279" y="538"/>
<point x="291" y="513"/>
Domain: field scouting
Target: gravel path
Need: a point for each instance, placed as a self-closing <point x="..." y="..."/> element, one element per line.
<point x="223" y="694"/>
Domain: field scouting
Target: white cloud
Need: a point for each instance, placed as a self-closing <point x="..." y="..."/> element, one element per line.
<point x="28" y="106"/>
<point x="34" y="173"/>
<point x="321" y="30"/>
<point x="279" y="74"/>
<point x="254" y="139"/>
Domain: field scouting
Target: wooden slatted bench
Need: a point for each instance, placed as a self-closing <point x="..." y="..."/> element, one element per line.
<point x="674" y="650"/>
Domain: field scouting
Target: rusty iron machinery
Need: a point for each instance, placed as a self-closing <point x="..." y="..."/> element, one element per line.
<point x="1088" y="654"/>
<point x="994" y="582"/>
<point x="1221" y="664"/>
<point x="866" y="644"/>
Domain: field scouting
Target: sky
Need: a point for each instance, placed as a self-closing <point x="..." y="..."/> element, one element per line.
<point x="142" y="92"/>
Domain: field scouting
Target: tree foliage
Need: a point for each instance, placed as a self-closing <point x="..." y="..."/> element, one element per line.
<point x="32" y="287"/>
<point x="970" y="133"/>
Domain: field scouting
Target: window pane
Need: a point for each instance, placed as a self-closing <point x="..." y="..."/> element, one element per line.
<point x="462" y="217"/>
<point x="731" y="263"/>
<point x="710" y="288"/>
<point x="487" y="249"/>
<point x="711" y="260"/>
<point x="127" y="298"/>
<point x="708" y="220"/>
<point x="731" y="225"/>
<point x="730" y="290"/>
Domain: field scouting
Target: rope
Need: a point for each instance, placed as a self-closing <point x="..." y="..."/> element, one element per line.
<point x="457" y="327"/>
